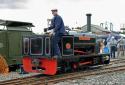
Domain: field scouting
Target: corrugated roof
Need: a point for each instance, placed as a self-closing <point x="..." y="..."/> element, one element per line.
<point x="96" y="27"/>
<point x="10" y="23"/>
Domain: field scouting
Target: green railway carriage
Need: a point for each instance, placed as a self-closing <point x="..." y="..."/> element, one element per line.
<point x="10" y="39"/>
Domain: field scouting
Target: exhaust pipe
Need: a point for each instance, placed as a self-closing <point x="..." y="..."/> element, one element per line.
<point x="89" y="22"/>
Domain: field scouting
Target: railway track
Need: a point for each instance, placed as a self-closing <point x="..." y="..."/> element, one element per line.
<point x="77" y="75"/>
<point x="19" y="80"/>
<point x="50" y="80"/>
<point x="117" y="61"/>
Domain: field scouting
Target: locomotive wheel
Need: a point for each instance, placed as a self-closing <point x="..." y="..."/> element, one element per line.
<point x="3" y="66"/>
<point x="107" y="62"/>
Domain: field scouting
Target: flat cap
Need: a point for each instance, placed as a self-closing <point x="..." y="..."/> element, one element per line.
<point x="54" y="10"/>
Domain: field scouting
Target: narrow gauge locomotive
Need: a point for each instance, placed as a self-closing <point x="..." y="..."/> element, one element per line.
<point x="77" y="50"/>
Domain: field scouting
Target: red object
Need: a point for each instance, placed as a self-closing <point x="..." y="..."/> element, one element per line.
<point x="49" y="65"/>
<point x="76" y="65"/>
<point x="85" y="63"/>
<point x="81" y="52"/>
<point x="68" y="45"/>
<point x="27" y="64"/>
<point x="84" y="38"/>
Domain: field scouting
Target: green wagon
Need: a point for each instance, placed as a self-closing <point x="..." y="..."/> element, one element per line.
<point x="11" y="33"/>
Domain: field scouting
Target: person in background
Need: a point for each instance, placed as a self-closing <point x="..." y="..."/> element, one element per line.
<point x="105" y="42"/>
<point x="109" y="47"/>
<point x="105" y="49"/>
<point x="58" y="27"/>
<point x="108" y="40"/>
<point x="118" y="49"/>
<point x="124" y="46"/>
<point x="121" y="42"/>
<point x="101" y="46"/>
<point x="113" y="44"/>
<point x="119" y="46"/>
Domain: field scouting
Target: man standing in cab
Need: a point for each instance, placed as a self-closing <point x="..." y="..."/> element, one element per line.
<point x="58" y="27"/>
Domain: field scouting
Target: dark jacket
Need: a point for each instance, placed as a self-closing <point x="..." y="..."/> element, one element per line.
<point x="57" y="25"/>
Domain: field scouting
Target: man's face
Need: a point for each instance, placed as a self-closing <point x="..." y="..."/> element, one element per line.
<point x="54" y="13"/>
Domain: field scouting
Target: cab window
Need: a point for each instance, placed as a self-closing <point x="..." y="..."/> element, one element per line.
<point x="36" y="46"/>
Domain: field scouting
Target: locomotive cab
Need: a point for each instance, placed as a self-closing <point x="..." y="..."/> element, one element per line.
<point x="38" y="52"/>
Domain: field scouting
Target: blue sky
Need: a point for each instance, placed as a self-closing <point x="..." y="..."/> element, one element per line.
<point x="72" y="11"/>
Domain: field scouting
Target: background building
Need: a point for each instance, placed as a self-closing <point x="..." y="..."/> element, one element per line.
<point x="96" y="29"/>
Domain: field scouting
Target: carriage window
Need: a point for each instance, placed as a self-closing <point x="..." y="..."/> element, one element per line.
<point x="26" y="45"/>
<point x="36" y="45"/>
<point x="47" y="45"/>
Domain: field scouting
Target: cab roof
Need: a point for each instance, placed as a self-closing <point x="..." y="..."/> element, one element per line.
<point x="10" y="23"/>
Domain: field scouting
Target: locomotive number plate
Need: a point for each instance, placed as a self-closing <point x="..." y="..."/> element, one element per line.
<point x="84" y="38"/>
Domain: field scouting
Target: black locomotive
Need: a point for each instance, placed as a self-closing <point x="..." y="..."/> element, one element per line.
<point x="77" y="50"/>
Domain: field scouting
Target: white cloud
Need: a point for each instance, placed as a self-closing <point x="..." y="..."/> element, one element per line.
<point x="12" y="4"/>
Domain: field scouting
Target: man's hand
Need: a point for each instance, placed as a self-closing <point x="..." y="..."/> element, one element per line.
<point x="45" y="29"/>
<point x="49" y="34"/>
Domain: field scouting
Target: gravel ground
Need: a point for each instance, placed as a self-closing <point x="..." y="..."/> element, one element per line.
<point x="15" y="75"/>
<point x="115" y="78"/>
<point x="105" y="79"/>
